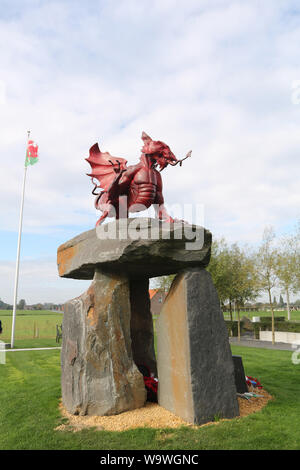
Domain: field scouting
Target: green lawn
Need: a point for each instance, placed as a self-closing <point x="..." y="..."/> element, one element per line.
<point x="30" y="393"/>
<point x="41" y="325"/>
<point x="31" y="325"/>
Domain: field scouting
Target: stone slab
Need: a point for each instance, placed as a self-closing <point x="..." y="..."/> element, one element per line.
<point x="160" y="249"/>
<point x="195" y="366"/>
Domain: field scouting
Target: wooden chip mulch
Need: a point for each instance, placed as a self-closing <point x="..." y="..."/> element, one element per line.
<point x="151" y="415"/>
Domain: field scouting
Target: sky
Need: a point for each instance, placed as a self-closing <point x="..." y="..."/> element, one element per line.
<point x="220" y="77"/>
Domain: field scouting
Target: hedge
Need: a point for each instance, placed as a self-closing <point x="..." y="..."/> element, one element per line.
<point x="291" y="327"/>
<point x="232" y="327"/>
<point x="269" y="319"/>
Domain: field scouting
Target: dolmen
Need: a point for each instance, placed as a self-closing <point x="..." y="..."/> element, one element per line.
<point x="108" y="330"/>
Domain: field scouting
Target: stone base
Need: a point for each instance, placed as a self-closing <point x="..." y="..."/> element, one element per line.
<point x="99" y="376"/>
<point x="195" y="367"/>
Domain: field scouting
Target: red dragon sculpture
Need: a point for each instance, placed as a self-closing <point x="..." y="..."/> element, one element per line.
<point x="133" y="188"/>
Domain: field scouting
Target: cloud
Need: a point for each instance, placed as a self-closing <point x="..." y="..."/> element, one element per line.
<point x="212" y="76"/>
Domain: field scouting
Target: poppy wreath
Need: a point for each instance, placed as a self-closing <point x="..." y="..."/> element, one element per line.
<point x="252" y="381"/>
<point x="151" y="383"/>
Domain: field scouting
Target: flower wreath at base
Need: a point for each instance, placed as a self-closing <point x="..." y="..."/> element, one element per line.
<point x="253" y="382"/>
<point x="151" y="383"/>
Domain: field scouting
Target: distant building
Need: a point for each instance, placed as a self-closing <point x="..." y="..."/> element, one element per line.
<point x="157" y="298"/>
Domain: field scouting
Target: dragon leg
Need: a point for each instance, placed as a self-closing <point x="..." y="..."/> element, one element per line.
<point x="114" y="189"/>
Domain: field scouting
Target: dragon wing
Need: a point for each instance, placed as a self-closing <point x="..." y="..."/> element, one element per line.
<point x="102" y="165"/>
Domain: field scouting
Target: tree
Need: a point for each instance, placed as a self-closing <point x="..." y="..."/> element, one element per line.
<point x="5" y="306"/>
<point x="244" y="286"/>
<point x="163" y="283"/>
<point x="22" y="304"/>
<point x="221" y="270"/>
<point x="233" y="273"/>
<point x="297" y="267"/>
<point x="38" y="306"/>
<point x="266" y="267"/>
<point x="281" y="301"/>
<point x="287" y="268"/>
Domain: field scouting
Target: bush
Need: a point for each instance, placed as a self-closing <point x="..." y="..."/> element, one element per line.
<point x="232" y="327"/>
<point x="291" y="327"/>
<point x="269" y="319"/>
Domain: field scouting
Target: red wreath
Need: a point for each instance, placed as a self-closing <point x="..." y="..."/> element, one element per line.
<point x="151" y="383"/>
<point x="253" y="382"/>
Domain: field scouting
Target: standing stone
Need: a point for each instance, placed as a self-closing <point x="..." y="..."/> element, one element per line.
<point x="142" y="334"/>
<point x="99" y="376"/>
<point x="195" y="367"/>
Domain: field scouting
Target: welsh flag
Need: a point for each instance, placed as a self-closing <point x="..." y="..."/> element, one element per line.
<point x="31" y="153"/>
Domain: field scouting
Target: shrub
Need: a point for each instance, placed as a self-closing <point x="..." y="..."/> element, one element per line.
<point x="269" y="319"/>
<point x="292" y="327"/>
<point x="232" y="327"/>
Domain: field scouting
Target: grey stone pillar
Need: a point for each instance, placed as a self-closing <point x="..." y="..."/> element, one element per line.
<point x="99" y="376"/>
<point x="142" y="336"/>
<point x="195" y="367"/>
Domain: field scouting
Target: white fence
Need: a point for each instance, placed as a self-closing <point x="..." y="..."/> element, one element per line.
<point x="280" y="337"/>
<point x="4" y="350"/>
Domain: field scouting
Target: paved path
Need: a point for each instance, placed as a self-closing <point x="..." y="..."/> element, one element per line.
<point x="257" y="343"/>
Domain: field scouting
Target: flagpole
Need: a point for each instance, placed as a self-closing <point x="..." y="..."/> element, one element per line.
<point x="18" y="259"/>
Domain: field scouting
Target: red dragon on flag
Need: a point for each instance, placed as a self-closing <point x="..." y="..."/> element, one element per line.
<point x="31" y="153"/>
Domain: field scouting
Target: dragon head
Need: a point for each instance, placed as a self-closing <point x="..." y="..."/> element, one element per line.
<point x="158" y="151"/>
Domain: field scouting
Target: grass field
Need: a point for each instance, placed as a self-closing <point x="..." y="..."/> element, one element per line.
<point x="34" y="325"/>
<point x="31" y="325"/>
<point x="30" y="393"/>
